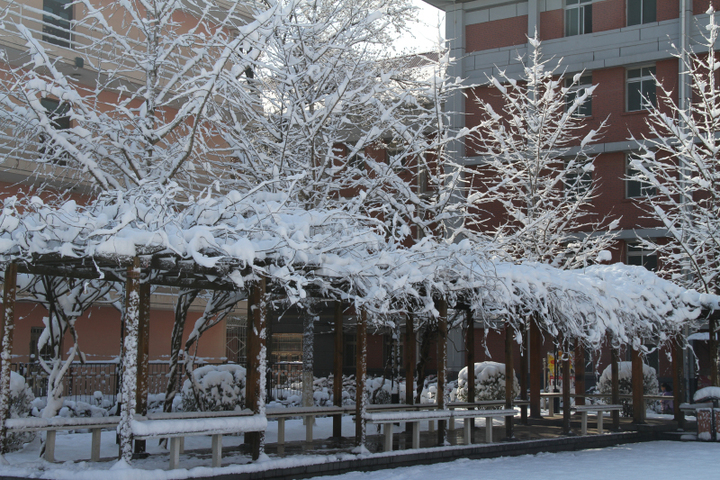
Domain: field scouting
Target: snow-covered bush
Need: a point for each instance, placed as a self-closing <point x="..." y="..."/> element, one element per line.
<point x="21" y="398"/>
<point x="71" y="408"/>
<point x="489" y="383"/>
<point x="650" y="382"/>
<point x="215" y="388"/>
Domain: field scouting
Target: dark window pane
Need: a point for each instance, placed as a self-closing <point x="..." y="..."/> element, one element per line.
<point x="650" y="262"/>
<point x="634" y="97"/>
<point x="56" y="25"/>
<point x="588" y="19"/>
<point x="649" y="9"/>
<point x="634" y="10"/>
<point x="648" y="90"/>
<point x="635" y="260"/>
<point x="571" y="22"/>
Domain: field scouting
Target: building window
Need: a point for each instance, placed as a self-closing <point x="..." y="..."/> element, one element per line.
<point x="633" y="186"/>
<point x="393" y="152"/>
<point x="641" y="11"/>
<point x="45" y="353"/>
<point x="640" y="88"/>
<point x="578" y="88"/>
<point x="235" y="340"/>
<point x="637" y="255"/>
<point x="286" y="347"/>
<point x="578" y="180"/>
<point x="578" y="17"/>
<point x="56" y="22"/>
<point x="58" y="115"/>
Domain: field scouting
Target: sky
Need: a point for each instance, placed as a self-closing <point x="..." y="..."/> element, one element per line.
<point x="423" y="35"/>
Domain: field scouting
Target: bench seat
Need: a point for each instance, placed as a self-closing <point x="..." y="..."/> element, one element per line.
<point x="599" y="410"/>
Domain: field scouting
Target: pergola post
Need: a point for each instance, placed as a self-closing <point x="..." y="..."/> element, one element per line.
<point x="361" y="369"/>
<point x="566" y="388"/>
<point x="509" y="377"/>
<point x="470" y="362"/>
<point x="713" y="348"/>
<point x="256" y="351"/>
<point x="536" y="373"/>
<point x="441" y="306"/>
<point x="615" y="386"/>
<point x="130" y="359"/>
<point x="637" y="386"/>
<point x="8" y="329"/>
<point x="579" y="373"/>
<point x="678" y="380"/>
<point x="338" y="369"/>
<point x="524" y="375"/>
<point x="143" y="351"/>
<point x="410" y="353"/>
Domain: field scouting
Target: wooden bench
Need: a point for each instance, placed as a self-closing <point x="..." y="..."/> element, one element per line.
<point x="599" y="409"/>
<point x="387" y="419"/>
<point x="308" y="413"/>
<point x="176" y="428"/>
<point x="52" y="425"/>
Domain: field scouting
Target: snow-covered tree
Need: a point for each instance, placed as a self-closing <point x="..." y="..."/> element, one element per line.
<point x="679" y="162"/>
<point x="537" y="170"/>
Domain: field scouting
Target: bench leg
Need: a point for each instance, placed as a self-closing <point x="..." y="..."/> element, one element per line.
<point x="309" y="428"/>
<point x="431" y="425"/>
<point x="583" y="425"/>
<point x="174" y="452"/>
<point x="182" y="445"/>
<point x="50" y="446"/>
<point x="451" y="424"/>
<point x="281" y="431"/>
<point x="415" y="434"/>
<point x="551" y="406"/>
<point x="600" y="422"/>
<point x="95" y="446"/>
<point x="467" y="432"/>
<point x="388" y="431"/>
<point x="216" y="450"/>
<point x="488" y="429"/>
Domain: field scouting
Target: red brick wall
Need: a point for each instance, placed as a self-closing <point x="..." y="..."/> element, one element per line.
<point x="669" y="9"/>
<point x="496" y="34"/>
<point x="701" y="6"/>
<point x="551" y="24"/>
<point x="609" y="15"/>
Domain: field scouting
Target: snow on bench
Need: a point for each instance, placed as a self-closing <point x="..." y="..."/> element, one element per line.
<point x="52" y="425"/>
<point x="178" y="428"/>
<point x="599" y="409"/>
<point x="387" y="419"/>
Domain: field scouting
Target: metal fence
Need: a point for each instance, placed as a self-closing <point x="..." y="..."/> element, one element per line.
<point x="82" y="380"/>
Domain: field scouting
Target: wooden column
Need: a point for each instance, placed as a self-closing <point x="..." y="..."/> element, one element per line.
<point x="441" y="306"/>
<point x="615" y="386"/>
<point x="713" y="349"/>
<point x="255" y="376"/>
<point x="579" y="373"/>
<point x="637" y="386"/>
<point x="524" y="375"/>
<point x="361" y="369"/>
<point x="470" y="363"/>
<point x="678" y="380"/>
<point x="410" y="355"/>
<point x="536" y="368"/>
<point x="130" y="359"/>
<point x="509" y="376"/>
<point x="8" y="330"/>
<point x="566" y="388"/>
<point x="338" y="369"/>
<point x="143" y="352"/>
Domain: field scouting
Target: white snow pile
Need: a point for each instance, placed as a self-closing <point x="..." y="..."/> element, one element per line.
<point x="489" y="383"/>
<point x="215" y="388"/>
<point x="707" y="393"/>
<point x="650" y="381"/>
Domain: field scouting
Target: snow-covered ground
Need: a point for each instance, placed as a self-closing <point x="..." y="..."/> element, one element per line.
<point x="664" y="459"/>
<point x="656" y="460"/>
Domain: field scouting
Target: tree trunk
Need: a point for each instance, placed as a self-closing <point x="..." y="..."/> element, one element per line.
<point x="338" y="369"/>
<point x="182" y="307"/>
<point x="637" y="386"/>
<point x="132" y="314"/>
<point x="256" y="363"/>
<point x="441" y="306"/>
<point x="308" y="360"/>
<point x="678" y="380"/>
<point x="579" y="373"/>
<point x="615" y="387"/>
<point x="536" y="367"/>
<point x="8" y="329"/>
<point x="360" y="395"/>
<point x="509" y="377"/>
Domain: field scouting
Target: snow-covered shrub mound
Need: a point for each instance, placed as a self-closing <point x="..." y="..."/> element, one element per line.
<point x="489" y="383"/>
<point x="650" y="382"/>
<point x="71" y="408"/>
<point x="21" y="398"/>
<point x="215" y="388"/>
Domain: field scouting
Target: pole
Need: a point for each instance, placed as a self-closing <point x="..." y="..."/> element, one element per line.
<point x="615" y="387"/>
<point x="509" y="377"/>
<point x="637" y="386"/>
<point x="361" y="368"/>
<point x="441" y="306"/>
<point x="536" y="368"/>
<point x="338" y="369"/>
<point x="8" y="329"/>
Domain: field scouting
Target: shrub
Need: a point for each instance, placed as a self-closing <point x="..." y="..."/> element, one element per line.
<point x="650" y="382"/>
<point x="489" y="383"/>
<point x="21" y="398"/>
<point x="216" y="388"/>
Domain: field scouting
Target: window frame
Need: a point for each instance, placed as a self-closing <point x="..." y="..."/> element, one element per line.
<point x="58" y="114"/>
<point x="643" y="13"/>
<point x="634" y="250"/>
<point x="645" y="189"/>
<point x="573" y="90"/>
<point x="641" y="80"/>
<point x="577" y="183"/>
<point x="57" y="26"/>
<point x="583" y="20"/>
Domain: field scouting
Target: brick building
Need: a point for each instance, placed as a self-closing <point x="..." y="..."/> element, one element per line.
<point x="619" y="45"/>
